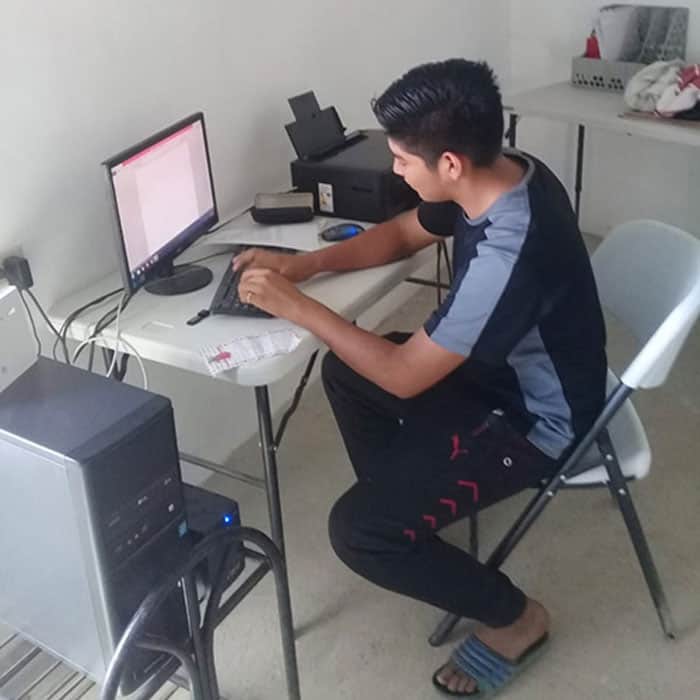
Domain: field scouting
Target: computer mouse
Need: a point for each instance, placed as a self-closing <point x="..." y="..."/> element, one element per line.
<point x="339" y="232"/>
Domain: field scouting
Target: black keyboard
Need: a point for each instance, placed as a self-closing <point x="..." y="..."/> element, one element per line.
<point x="226" y="300"/>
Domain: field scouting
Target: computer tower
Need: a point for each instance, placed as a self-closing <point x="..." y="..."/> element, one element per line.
<point x="208" y="512"/>
<point x="356" y="181"/>
<point x="92" y="514"/>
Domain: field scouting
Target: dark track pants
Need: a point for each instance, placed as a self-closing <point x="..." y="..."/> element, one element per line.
<point x="422" y="464"/>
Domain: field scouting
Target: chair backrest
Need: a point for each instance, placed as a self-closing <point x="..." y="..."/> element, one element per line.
<point x="648" y="277"/>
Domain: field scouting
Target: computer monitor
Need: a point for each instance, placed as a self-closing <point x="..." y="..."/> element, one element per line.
<point x="163" y="196"/>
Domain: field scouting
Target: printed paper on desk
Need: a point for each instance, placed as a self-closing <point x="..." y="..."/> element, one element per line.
<point x="247" y="232"/>
<point x="238" y="351"/>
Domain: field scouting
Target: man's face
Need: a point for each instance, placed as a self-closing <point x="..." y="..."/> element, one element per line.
<point x="426" y="181"/>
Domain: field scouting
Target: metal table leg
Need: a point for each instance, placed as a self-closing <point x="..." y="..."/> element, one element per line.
<point x="579" y="169"/>
<point x="269" y="441"/>
<point x="512" y="132"/>
<point x="269" y="456"/>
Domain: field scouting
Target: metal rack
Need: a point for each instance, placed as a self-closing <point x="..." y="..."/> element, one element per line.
<point x="30" y="673"/>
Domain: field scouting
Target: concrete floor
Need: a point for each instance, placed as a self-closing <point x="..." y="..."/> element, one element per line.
<point x="357" y="641"/>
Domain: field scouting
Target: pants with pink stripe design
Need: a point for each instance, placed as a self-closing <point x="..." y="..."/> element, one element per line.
<point x="422" y="464"/>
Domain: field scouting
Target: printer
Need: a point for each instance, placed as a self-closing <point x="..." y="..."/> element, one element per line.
<point x="349" y="175"/>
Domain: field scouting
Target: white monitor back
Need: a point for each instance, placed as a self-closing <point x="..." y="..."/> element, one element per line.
<point x="17" y="344"/>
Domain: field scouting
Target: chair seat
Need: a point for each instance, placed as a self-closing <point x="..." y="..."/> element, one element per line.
<point x="631" y="446"/>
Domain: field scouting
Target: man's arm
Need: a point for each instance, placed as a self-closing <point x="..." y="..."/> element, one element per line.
<point x="403" y="370"/>
<point x="395" y="239"/>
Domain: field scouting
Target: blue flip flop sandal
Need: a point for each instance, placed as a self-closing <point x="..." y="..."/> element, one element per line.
<point x="491" y="671"/>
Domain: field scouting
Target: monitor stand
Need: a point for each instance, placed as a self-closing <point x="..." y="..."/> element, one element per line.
<point x="182" y="279"/>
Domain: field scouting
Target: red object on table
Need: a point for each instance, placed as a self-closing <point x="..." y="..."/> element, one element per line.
<point x="592" y="47"/>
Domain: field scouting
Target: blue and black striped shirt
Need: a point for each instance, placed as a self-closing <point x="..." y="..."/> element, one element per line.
<point x="524" y="308"/>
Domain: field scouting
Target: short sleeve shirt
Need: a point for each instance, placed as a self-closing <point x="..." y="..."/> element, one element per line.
<point x="523" y="307"/>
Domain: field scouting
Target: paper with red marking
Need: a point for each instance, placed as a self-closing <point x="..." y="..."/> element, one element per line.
<point x="238" y="351"/>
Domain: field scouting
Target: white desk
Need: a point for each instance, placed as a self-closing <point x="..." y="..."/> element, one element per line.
<point x="156" y="327"/>
<point x="592" y="108"/>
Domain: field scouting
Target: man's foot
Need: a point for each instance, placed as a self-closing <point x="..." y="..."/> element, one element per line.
<point x="510" y="642"/>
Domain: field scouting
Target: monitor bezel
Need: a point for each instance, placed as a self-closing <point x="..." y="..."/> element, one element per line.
<point x="129" y="283"/>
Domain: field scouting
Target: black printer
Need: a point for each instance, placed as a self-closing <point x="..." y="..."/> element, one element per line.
<point x="350" y="175"/>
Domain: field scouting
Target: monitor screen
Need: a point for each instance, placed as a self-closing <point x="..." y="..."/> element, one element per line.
<point x="164" y="197"/>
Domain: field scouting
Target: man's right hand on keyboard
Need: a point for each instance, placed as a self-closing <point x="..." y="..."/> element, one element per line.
<point x="296" y="268"/>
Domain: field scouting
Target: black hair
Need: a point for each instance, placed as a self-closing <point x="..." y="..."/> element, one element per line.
<point x="452" y="105"/>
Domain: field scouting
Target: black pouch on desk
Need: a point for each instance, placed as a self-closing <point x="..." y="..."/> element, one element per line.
<point x="283" y="208"/>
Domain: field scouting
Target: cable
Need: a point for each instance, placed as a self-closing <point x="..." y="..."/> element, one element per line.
<point x="101" y="324"/>
<point x="90" y="304"/>
<point x="123" y="366"/>
<point x="123" y="341"/>
<point x="93" y="334"/>
<point x="73" y="315"/>
<point x="115" y="354"/>
<point x="139" y="360"/>
<point x="104" y="322"/>
<point x="80" y="347"/>
<point x="65" y="327"/>
<point x="48" y="323"/>
<point x="108" y="318"/>
<point x="31" y="321"/>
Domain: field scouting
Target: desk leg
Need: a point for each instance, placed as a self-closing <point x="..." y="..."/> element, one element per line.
<point x="512" y="132"/>
<point x="579" y="169"/>
<point x="269" y="456"/>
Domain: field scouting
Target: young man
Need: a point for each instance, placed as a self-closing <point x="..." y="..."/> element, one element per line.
<point x="483" y="400"/>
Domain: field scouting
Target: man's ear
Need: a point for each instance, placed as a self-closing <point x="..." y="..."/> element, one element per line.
<point x="451" y="166"/>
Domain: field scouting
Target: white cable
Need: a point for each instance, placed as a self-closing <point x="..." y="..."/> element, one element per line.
<point x="115" y="354"/>
<point x="123" y="341"/>
<point x="139" y="359"/>
<point x="118" y="341"/>
<point x="88" y="341"/>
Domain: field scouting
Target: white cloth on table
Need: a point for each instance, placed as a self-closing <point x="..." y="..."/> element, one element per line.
<point x="646" y="87"/>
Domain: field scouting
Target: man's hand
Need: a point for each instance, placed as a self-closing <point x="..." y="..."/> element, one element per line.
<point x="272" y="292"/>
<point x="295" y="268"/>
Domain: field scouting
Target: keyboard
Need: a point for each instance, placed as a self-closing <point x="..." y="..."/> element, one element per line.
<point x="226" y="300"/>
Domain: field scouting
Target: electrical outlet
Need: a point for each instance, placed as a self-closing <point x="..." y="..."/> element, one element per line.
<point x="8" y="253"/>
<point x="18" y="272"/>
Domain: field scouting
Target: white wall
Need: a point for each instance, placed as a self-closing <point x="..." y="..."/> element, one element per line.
<point x="625" y="177"/>
<point x="82" y="79"/>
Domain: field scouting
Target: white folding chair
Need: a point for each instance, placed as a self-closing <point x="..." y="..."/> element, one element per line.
<point x="648" y="278"/>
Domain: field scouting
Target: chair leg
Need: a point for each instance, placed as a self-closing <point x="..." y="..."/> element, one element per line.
<point x="619" y="490"/>
<point x="449" y="621"/>
<point x="474" y="534"/>
<point x="443" y="630"/>
<point x="535" y="507"/>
